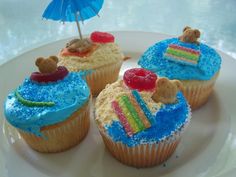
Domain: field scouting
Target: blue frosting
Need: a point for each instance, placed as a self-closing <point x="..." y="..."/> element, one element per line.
<point x="170" y="118"/>
<point x="208" y="64"/>
<point x="69" y="95"/>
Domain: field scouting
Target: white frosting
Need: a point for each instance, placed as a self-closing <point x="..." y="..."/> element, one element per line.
<point x="105" y="54"/>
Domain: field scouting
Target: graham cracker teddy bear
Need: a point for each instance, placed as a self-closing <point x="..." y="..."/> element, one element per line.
<point x="79" y="45"/>
<point x="47" y="65"/>
<point x="190" y="35"/>
<point x="166" y="90"/>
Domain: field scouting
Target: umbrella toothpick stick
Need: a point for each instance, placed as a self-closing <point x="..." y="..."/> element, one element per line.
<point x="78" y="26"/>
<point x="61" y="10"/>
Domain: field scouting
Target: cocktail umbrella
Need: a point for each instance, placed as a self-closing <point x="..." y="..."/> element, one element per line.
<point x="72" y="10"/>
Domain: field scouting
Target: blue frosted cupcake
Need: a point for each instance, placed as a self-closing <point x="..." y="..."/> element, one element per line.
<point x="142" y="126"/>
<point x="195" y="64"/>
<point x="51" y="108"/>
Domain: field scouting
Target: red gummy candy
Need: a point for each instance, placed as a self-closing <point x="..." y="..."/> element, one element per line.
<point x="52" y="77"/>
<point x="102" y="37"/>
<point x="140" y="79"/>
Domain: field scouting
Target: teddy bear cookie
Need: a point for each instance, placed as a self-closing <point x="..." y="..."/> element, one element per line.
<point x="186" y="59"/>
<point x="48" y="70"/>
<point x="51" y="108"/>
<point x="48" y="65"/>
<point x="166" y="90"/>
<point x="190" y="35"/>
<point x="84" y="47"/>
<point x="134" y="125"/>
<point x="99" y="54"/>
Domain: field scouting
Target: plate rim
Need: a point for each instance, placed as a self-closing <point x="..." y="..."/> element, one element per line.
<point x="61" y="40"/>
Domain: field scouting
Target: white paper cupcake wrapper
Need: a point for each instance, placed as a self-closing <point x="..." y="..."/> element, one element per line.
<point x="198" y="92"/>
<point x="63" y="136"/>
<point x="102" y="76"/>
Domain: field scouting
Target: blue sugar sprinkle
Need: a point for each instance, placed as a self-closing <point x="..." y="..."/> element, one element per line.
<point x="68" y="95"/>
<point x="167" y="120"/>
<point x="208" y="64"/>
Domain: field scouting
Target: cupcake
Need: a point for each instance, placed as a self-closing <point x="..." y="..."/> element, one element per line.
<point x="50" y="109"/>
<point x="141" y="118"/>
<point x="195" y="64"/>
<point x="99" y="54"/>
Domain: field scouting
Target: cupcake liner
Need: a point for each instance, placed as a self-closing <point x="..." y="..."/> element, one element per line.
<point x="145" y="155"/>
<point x="102" y="76"/>
<point x="61" y="136"/>
<point x="141" y="156"/>
<point x="197" y="92"/>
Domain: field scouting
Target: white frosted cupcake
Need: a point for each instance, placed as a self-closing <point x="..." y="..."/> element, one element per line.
<point x="99" y="53"/>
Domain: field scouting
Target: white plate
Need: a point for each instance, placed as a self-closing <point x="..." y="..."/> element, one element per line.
<point x="208" y="148"/>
